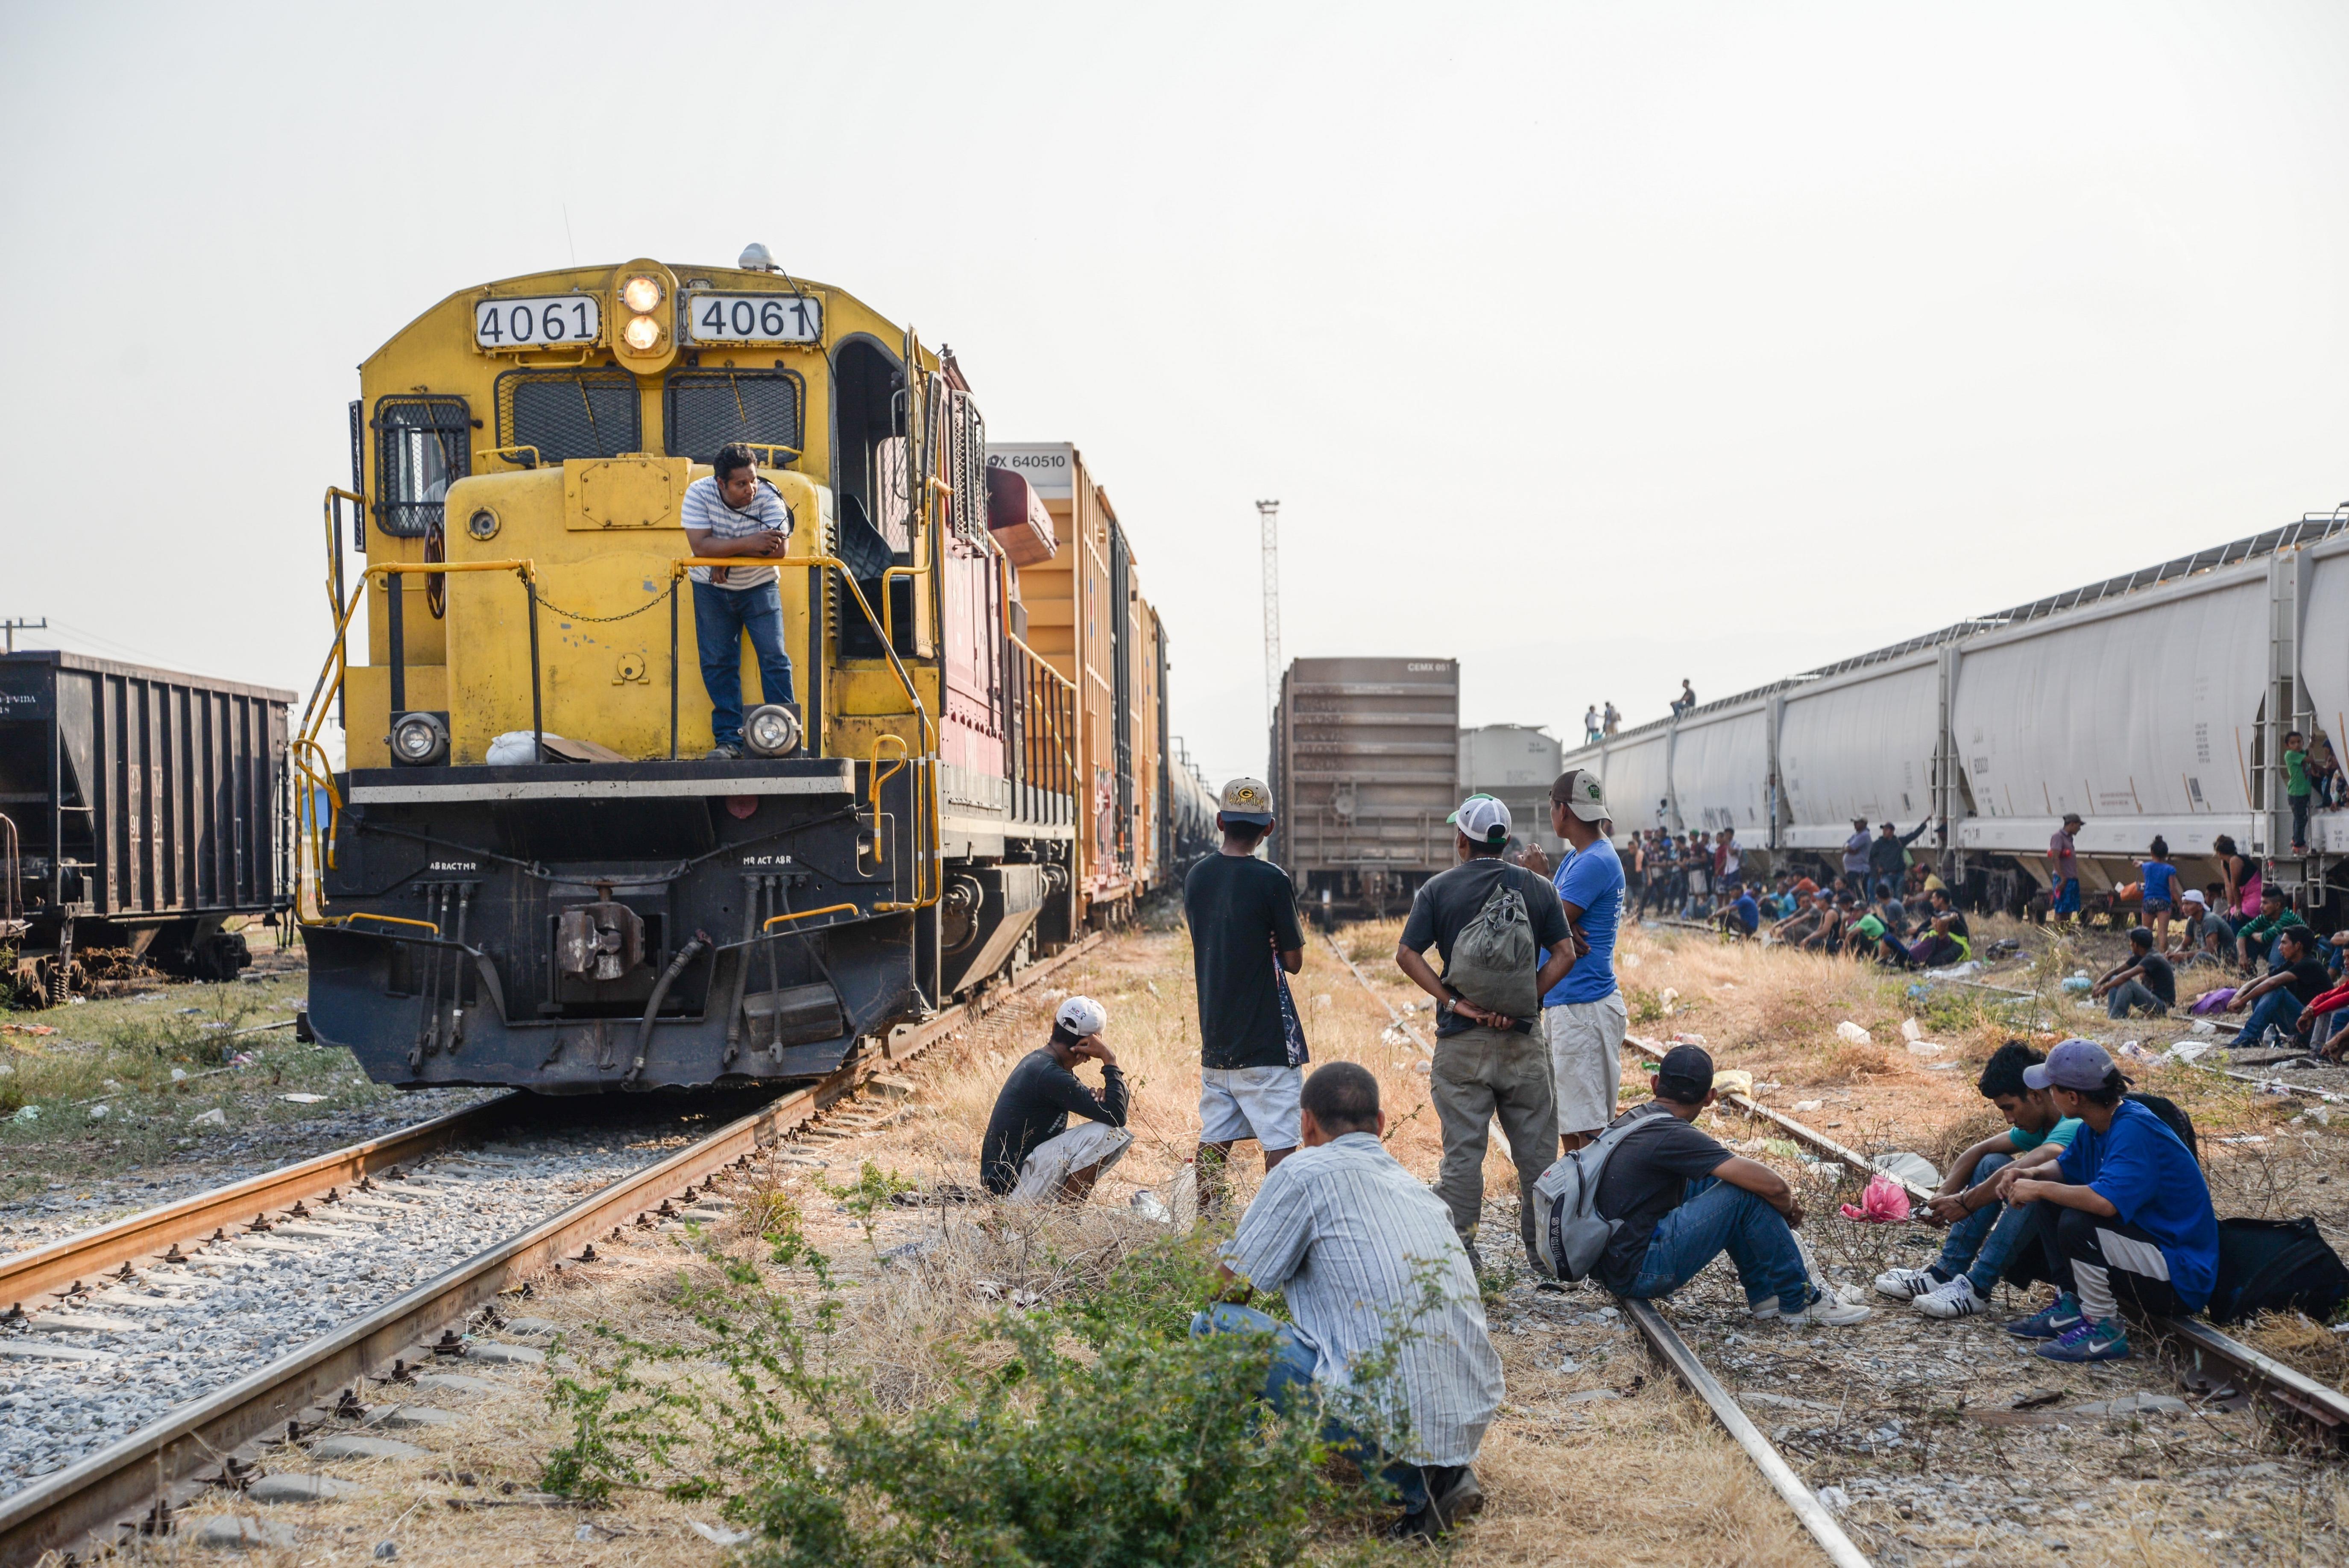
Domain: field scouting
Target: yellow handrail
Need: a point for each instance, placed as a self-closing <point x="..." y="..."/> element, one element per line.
<point x="388" y="919"/>
<point x="502" y="451"/>
<point x="880" y="842"/>
<point x="808" y="914"/>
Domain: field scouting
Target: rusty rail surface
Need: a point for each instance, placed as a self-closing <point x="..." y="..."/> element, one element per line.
<point x="2198" y="1342"/>
<point x="90" y="1505"/>
<point x="56" y="1267"/>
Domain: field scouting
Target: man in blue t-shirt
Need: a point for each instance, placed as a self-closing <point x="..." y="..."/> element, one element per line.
<point x="1583" y="1016"/>
<point x="2129" y="1217"/>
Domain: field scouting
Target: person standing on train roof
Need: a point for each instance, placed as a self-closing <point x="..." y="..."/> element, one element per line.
<point x="1245" y="940"/>
<point x="1583" y="1019"/>
<point x="1591" y="731"/>
<point x="2063" y="869"/>
<point x="732" y="513"/>
<point x="1614" y="721"/>
<point x="1488" y="1061"/>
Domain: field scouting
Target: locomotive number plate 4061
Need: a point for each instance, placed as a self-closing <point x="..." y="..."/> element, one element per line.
<point x="751" y="319"/>
<point x="533" y="323"/>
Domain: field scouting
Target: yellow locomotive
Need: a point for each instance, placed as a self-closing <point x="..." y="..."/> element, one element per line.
<point x="537" y="867"/>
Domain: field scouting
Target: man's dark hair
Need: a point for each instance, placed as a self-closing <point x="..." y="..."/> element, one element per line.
<point x="2214" y="891"/>
<point x="1342" y="1097"/>
<point x="1481" y="850"/>
<point x="733" y="458"/>
<point x="2273" y="891"/>
<point x="2297" y="936"/>
<point x="1252" y="833"/>
<point x="2139" y="937"/>
<point x="2003" y="1074"/>
<point x="2107" y="1092"/>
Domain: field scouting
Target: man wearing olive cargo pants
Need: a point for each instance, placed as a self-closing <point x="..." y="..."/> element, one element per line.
<point x="1486" y="1064"/>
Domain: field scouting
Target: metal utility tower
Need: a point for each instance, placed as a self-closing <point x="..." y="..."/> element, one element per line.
<point x="1269" y="511"/>
<point x="13" y="626"/>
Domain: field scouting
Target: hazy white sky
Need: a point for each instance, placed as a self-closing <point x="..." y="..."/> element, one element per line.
<point x="1596" y="344"/>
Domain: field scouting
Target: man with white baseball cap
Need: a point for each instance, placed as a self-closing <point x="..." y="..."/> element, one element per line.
<point x="1583" y="1016"/>
<point x="1030" y="1154"/>
<point x="1245" y="940"/>
<point x="1489" y="1061"/>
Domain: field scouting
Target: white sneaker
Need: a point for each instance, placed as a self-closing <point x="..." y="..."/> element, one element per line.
<point x="1764" y="1310"/>
<point x="1956" y="1299"/>
<point x="1904" y="1284"/>
<point x="1828" y="1312"/>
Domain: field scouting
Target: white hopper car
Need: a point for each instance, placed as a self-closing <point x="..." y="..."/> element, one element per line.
<point x="2151" y="703"/>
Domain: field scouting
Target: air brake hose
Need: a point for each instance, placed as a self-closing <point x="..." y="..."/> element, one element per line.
<point x="685" y="955"/>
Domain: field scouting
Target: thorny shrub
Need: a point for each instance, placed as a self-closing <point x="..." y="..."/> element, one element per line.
<point x="1108" y="1436"/>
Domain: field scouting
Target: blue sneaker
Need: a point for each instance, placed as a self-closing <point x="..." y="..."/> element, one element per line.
<point x="2053" y="1320"/>
<point x="2100" y="1341"/>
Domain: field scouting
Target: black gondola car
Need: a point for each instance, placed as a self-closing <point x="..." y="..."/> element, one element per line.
<point x="139" y="809"/>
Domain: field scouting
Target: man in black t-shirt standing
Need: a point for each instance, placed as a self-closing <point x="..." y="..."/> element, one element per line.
<point x="1487" y="1064"/>
<point x="1245" y="940"/>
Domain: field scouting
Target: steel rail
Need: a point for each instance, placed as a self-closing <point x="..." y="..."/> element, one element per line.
<point x="2294" y="1389"/>
<point x="1400" y="1023"/>
<point x="1667" y="1344"/>
<point x="1675" y="1353"/>
<point x="53" y="1269"/>
<point x="89" y="1505"/>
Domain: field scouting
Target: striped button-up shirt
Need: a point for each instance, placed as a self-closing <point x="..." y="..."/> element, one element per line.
<point x="705" y="511"/>
<point x="1369" y="1264"/>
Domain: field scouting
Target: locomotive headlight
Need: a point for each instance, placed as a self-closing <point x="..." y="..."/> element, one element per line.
<point x="420" y="740"/>
<point x="771" y="731"/>
<point x="642" y="334"/>
<point x="641" y="294"/>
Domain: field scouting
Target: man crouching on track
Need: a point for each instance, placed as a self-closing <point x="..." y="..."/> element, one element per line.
<point x="1374" y="1274"/>
<point x="1031" y="1155"/>
<point x="1683" y="1201"/>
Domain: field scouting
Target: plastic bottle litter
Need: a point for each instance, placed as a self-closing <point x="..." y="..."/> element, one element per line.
<point x="2077" y="984"/>
<point x="1910" y="1031"/>
<point x="1852" y="1032"/>
<point x="1923" y="1048"/>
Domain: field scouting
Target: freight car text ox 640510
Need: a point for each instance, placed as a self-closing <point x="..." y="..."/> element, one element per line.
<point x="533" y="871"/>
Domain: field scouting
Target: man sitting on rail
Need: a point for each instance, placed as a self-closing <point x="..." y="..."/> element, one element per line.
<point x="1983" y="1230"/>
<point x="2258" y="940"/>
<point x="1374" y="1275"/>
<point x="1030" y="1154"/>
<point x="2298" y="978"/>
<point x="1683" y="1201"/>
<point x="730" y="513"/>
<point x="2127" y="1217"/>
<point x="2141" y="982"/>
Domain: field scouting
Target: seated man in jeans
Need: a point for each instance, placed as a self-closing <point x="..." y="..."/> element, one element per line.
<point x="1373" y="1271"/>
<point x="1683" y="1200"/>
<point x="1983" y="1230"/>
<point x="2298" y="979"/>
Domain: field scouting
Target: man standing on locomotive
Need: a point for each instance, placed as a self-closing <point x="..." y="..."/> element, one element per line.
<point x="730" y="513"/>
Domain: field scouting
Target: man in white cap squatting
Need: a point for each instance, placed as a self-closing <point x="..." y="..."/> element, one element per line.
<point x="1245" y="941"/>
<point x="1030" y="1153"/>
<point x="1583" y="1017"/>
<point x="1488" y="919"/>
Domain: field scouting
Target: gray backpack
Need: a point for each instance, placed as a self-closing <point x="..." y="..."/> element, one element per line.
<point x="1572" y="1237"/>
<point x="1493" y="957"/>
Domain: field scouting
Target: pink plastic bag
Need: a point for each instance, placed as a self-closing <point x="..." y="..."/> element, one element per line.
<point x="1886" y="1203"/>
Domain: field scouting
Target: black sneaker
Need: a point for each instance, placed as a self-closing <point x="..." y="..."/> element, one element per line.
<point x="1453" y="1497"/>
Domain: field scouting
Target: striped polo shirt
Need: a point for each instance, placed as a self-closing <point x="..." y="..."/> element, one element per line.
<point x="705" y="511"/>
<point x="1366" y="1255"/>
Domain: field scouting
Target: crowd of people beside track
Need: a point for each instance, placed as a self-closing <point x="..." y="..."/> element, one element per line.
<point x="2092" y="1188"/>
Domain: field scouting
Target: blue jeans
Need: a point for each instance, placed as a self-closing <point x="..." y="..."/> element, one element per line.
<point x="1291" y="1377"/>
<point x="1717" y="1217"/>
<point x="2280" y="1008"/>
<point x="1980" y="1244"/>
<point x="720" y="617"/>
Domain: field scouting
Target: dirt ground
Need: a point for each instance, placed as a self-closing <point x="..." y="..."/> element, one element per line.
<point x="1598" y="1455"/>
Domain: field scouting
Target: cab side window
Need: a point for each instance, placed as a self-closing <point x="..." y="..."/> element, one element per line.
<point x="422" y="446"/>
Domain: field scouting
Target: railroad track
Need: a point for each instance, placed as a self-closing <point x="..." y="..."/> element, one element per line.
<point x="1688" y="1367"/>
<point x="2202" y="1346"/>
<point x="136" y="1483"/>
